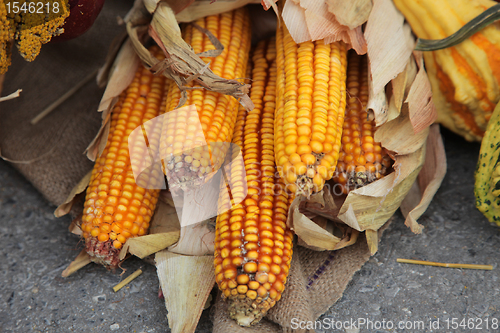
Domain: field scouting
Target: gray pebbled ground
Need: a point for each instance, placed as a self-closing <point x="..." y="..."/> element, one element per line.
<point x="36" y="247"/>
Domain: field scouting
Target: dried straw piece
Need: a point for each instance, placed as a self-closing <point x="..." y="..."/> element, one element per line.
<point x="15" y="94"/>
<point x="440" y="264"/>
<point x="127" y="280"/>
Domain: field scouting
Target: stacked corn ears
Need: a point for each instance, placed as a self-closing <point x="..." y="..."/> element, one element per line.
<point x="291" y="144"/>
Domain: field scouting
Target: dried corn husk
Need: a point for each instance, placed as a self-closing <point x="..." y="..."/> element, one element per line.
<point x="313" y="20"/>
<point x="389" y="44"/>
<point x="65" y="207"/>
<point x="196" y="240"/>
<point x="186" y="282"/>
<point x="428" y="181"/>
<point x="207" y="7"/>
<point x="350" y="13"/>
<point x="121" y="75"/>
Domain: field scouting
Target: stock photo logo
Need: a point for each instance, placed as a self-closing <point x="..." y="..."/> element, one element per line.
<point x="205" y="177"/>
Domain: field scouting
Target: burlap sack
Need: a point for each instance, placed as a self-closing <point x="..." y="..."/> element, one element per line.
<point x="53" y="159"/>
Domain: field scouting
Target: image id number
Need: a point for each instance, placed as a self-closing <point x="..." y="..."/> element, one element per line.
<point x="32" y="7"/>
<point x="472" y="323"/>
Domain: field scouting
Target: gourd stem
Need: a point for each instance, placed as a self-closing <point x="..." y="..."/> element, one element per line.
<point x="476" y="24"/>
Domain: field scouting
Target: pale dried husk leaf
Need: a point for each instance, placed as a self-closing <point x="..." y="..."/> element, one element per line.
<point x="269" y="3"/>
<point x="196" y="240"/>
<point x="392" y="110"/>
<point x="104" y="72"/>
<point x="350" y="13"/>
<point x="328" y="240"/>
<point x="372" y="240"/>
<point x="421" y="108"/>
<point x="74" y="226"/>
<point x="65" y="207"/>
<point x="389" y="44"/>
<point x="199" y="9"/>
<point x="428" y="182"/>
<point x="371" y="206"/>
<point x="294" y="18"/>
<point x="186" y="283"/>
<point x="308" y="20"/>
<point x="81" y="260"/>
<point x="377" y="104"/>
<point x="318" y="232"/>
<point x="401" y="84"/>
<point x="398" y="136"/>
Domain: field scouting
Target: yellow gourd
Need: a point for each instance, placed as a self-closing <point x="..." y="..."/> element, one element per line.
<point x="465" y="78"/>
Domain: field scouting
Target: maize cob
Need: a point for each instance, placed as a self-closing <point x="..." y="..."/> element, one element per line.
<point x="310" y="107"/>
<point x="195" y="141"/>
<point x="116" y="207"/>
<point x="253" y="246"/>
<point x="361" y="159"/>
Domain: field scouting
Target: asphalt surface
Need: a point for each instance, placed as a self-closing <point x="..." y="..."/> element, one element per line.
<point x="35" y="247"/>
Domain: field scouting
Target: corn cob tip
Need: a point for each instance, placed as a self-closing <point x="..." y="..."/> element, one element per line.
<point x="248" y="312"/>
<point x="351" y="180"/>
<point x="305" y="184"/>
<point x="362" y="160"/>
<point x="103" y="253"/>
